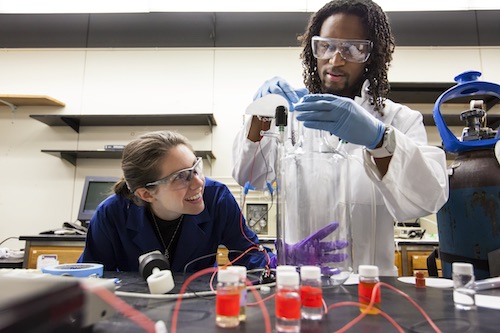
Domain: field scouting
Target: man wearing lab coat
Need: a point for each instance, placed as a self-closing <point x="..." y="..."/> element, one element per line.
<point x="348" y="46"/>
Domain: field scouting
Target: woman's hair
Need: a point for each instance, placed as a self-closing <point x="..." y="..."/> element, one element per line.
<point x="142" y="161"/>
<point x="379" y="32"/>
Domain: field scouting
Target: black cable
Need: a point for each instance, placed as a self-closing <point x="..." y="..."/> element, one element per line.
<point x="205" y="257"/>
<point x="6" y="239"/>
<point x="267" y="211"/>
<point x="185" y="272"/>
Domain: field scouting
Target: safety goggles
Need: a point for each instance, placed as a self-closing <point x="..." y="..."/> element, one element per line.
<point x="350" y="50"/>
<point x="182" y="178"/>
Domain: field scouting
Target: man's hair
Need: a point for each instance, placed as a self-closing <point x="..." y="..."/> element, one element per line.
<point x="143" y="159"/>
<point x="379" y="32"/>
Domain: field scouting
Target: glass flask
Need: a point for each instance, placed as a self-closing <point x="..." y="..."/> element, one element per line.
<point x="313" y="209"/>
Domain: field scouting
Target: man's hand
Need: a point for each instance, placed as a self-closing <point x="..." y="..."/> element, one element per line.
<point x="341" y="117"/>
<point x="279" y="86"/>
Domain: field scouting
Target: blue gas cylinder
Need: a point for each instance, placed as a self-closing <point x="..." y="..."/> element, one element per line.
<point x="469" y="222"/>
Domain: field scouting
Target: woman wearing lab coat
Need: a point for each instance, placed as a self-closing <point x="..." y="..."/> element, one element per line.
<point x="164" y="203"/>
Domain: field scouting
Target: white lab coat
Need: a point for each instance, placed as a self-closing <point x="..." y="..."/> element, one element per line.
<point x="415" y="185"/>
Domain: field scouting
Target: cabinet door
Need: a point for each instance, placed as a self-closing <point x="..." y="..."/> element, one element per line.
<point x="417" y="261"/>
<point x="398" y="263"/>
<point x="65" y="254"/>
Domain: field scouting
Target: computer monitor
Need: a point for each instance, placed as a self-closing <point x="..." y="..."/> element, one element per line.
<point x="95" y="190"/>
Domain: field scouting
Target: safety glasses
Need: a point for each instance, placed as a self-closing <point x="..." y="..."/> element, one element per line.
<point x="182" y="178"/>
<point x="350" y="50"/>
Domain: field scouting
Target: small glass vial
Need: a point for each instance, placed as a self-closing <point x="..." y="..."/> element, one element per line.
<point x="419" y="280"/>
<point x="311" y="294"/>
<point x="287" y="300"/>
<point x="227" y="299"/>
<point x="368" y="278"/>
<point x="464" y="292"/>
<point x="242" y="275"/>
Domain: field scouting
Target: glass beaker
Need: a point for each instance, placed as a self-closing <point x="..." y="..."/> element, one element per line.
<point x="314" y="212"/>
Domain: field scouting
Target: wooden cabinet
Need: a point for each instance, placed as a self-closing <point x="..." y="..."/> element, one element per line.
<point x="417" y="262"/>
<point x="411" y="257"/>
<point x="68" y="248"/>
<point x="398" y="263"/>
<point x="65" y="255"/>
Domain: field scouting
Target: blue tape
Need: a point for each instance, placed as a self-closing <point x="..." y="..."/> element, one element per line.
<point x="248" y="187"/>
<point x="270" y="187"/>
<point x="75" y="270"/>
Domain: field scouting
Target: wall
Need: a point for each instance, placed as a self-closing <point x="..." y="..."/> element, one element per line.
<point x="40" y="191"/>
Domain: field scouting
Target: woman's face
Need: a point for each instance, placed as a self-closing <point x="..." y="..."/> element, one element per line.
<point x="167" y="202"/>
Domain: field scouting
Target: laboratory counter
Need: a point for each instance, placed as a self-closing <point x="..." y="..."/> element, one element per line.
<point x="198" y="314"/>
<point x="11" y="262"/>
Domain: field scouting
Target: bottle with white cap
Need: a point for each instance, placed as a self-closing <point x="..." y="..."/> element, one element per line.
<point x="227" y="299"/>
<point x="287" y="300"/>
<point x="285" y="268"/>
<point x="464" y="292"/>
<point x="242" y="275"/>
<point x="311" y="294"/>
<point x="368" y="279"/>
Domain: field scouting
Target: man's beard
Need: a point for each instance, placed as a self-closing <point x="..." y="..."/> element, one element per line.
<point x="347" y="90"/>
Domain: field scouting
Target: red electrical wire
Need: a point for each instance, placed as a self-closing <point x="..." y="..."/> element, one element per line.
<point x="426" y="316"/>
<point x="262" y="300"/>
<point x="256" y="246"/>
<point x="362" y="315"/>
<point x="121" y="306"/>
<point x="267" y="321"/>
<point x="229" y="264"/>
<point x="148" y="325"/>
<point x="244" y="200"/>
<point x="371" y="305"/>
<point x="183" y="289"/>
<point x="255" y="153"/>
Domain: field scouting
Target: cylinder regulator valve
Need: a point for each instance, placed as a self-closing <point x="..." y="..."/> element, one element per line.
<point x="475" y="119"/>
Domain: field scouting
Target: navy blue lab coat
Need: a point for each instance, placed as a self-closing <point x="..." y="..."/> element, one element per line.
<point x="120" y="231"/>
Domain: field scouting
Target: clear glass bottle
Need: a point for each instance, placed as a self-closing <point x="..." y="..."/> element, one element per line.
<point x="368" y="278"/>
<point x="464" y="292"/>
<point x="311" y="294"/>
<point x="314" y="174"/>
<point x="242" y="275"/>
<point x="287" y="301"/>
<point x="227" y="299"/>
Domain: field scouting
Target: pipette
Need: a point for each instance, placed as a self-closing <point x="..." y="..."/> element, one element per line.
<point x="490" y="283"/>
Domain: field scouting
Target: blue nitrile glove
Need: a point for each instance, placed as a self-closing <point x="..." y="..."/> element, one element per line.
<point x="342" y="117"/>
<point x="311" y="251"/>
<point x="279" y="86"/>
